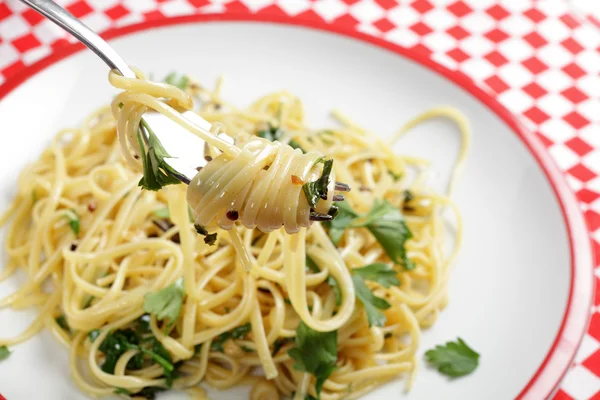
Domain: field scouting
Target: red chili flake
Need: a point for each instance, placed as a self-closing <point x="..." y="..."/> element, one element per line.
<point x="91" y="206"/>
<point x="297" y="181"/>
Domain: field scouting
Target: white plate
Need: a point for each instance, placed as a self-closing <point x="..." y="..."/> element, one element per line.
<point x="521" y="288"/>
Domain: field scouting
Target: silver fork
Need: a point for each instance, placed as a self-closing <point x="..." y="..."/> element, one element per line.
<point x="186" y="149"/>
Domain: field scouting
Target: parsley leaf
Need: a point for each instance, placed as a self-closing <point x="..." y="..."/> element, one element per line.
<point x="122" y="391"/>
<point x="318" y="189"/>
<point x="315" y="353"/>
<point x="312" y="265"/>
<point x="272" y="134"/>
<point x="209" y="238"/>
<point x="74" y="221"/>
<point x="345" y="216"/>
<point x="157" y="173"/>
<point x="166" y="303"/>
<point x="162" y="213"/>
<point x="278" y="344"/>
<point x="62" y="322"/>
<point x="181" y="81"/>
<point x="370" y="302"/>
<point x="4" y="353"/>
<point x="378" y="272"/>
<point x="454" y="359"/>
<point x="237" y="333"/>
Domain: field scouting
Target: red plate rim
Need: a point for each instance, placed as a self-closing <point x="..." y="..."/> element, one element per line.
<point x="574" y="323"/>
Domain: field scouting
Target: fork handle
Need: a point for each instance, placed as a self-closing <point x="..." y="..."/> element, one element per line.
<point x="82" y="32"/>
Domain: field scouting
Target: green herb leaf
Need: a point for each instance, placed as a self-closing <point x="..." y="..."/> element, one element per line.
<point x="122" y="391"/>
<point x="121" y="105"/>
<point x="157" y="173"/>
<point x="312" y="265"/>
<point x="93" y="335"/>
<point x="74" y="221"/>
<point x="378" y="272"/>
<point x="209" y="238"/>
<point x="149" y="392"/>
<point x="166" y="303"/>
<point x="181" y="81"/>
<point x="88" y="303"/>
<point x="454" y="359"/>
<point x="4" y="353"/>
<point x="237" y="333"/>
<point x="318" y="189"/>
<point x="345" y="216"/>
<point x="162" y="213"/>
<point x="62" y="322"/>
<point x="370" y="302"/>
<point x="272" y="134"/>
<point x="315" y="353"/>
<point x="279" y="343"/>
<point x="396" y="177"/>
<point x="247" y="349"/>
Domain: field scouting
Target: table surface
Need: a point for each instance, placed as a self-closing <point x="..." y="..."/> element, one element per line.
<point x="539" y="58"/>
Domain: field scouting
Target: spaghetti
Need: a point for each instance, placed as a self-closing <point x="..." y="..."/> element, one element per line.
<point x="82" y="224"/>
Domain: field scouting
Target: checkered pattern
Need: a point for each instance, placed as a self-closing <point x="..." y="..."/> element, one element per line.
<point x="541" y="62"/>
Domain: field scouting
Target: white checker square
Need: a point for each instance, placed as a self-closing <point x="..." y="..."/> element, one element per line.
<point x="592" y="161"/>
<point x="13" y="27"/>
<point x="367" y="11"/>
<point x="565" y="158"/>
<point x="554" y="80"/>
<point x="403" y="37"/>
<point x="581" y="383"/>
<point x="478" y="22"/>
<point x="294" y="7"/>
<point x="129" y="19"/>
<point x="593" y="185"/>
<point x="103" y="4"/>
<point x="253" y="5"/>
<point x="558" y="130"/>
<point x="590" y="109"/>
<point x="477" y="68"/>
<point x="553" y="7"/>
<point x="445" y="60"/>
<point x="439" y="19"/>
<point x="330" y="9"/>
<point x="516" y="99"/>
<point x="555" y="104"/>
<point x="97" y="21"/>
<point x="553" y="30"/>
<point x="589" y="84"/>
<point x="47" y="32"/>
<point x="589" y="60"/>
<point x="517" y="25"/>
<point x="179" y="7"/>
<point x="477" y="46"/>
<point x="403" y="16"/>
<point x="36" y="54"/>
<point x="515" y="75"/>
<point x="590" y="134"/>
<point x="587" y="35"/>
<point x="516" y="49"/>
<point x="8" y="55"/>
<point x="214" y="8"/>
<point x="368" y="29"/>
<point x="574" y="183"/>
<point x="139" y="6"/>
<point x="439" y="42"/>
<point x="554" y="55"/>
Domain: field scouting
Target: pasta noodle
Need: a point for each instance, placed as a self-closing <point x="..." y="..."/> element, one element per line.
<point x="81" y="224"/>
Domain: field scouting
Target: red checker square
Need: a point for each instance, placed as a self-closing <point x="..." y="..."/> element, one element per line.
<point x="384" y="25"/>
<point x="13" y="68"/>
<point x="592" y="363"/>
<point x="33" y="17"/>
<point x="4" y="11"/>
<point x="584" y="174"/>
<point x="79" y="9"/>
<point x="534" y="65"/>
<point x="586" y="196"/>
<point x="535" y="15"/>
<point x="236" y="6"/>
<point x="153" y="15"/>
<point x="496" y="58"/>
<point x="59" y="43"/>
<point x="161" y="1"/>
<point x="199" y="3"/>
<point x="593" y="220"/>
<point x="421" y="29"/>
<point x="421" y="49"/>
<point x="496" y="35"/>
<point x="350" y="2"/>
<point x="572" y="45"/>
<point x="596" y="250"/>
<point x="574" y="95"/>
<point x="535" y="40"/>
<point x="534" y="90"/>
<point x="459" y="8"/>
<point x="595" y="396"/>
<point x="573" y="70"/>
<point x="497" y="12"/>
<point x="576" y="120"/>
<point x="594" y="20"/>
<point x="545" y="140"/>
<point x="347" y="21"/>
<point x="457" y="32"/>
<point x="496" y="84"/>
<point x="579" y="146"/>
<point x="457" y="55"/>
<point x="310" y="16"/>
<point x="569" y="21"/>
<point x="25" y="43"/>
<point x="422" y="6"/>
<point x="597" y="283"/>
<point x="387" y="4"/>
<point x="116" y="12"/>
<point x="561" y="395"/>
<point x="536" y="115"/>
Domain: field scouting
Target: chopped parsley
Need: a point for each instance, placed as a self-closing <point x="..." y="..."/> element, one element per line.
<point x="74" y="221"/>
<point x="278" y="344"/>
<point x="122" y="391"/>
<point x="273" y="133"/>
<point x="384" y="221"/>
<point x="62" y="322"/>
<point x="312" y="265"/>
<point x="315" y="353"/>
<point x="378" y="272"/>
<point x="166" y="303"/>
<point x="318" y="189"/>
<point x="157" y="173"/>
<point x="209" y="238"/>
<point x="237" y="333"/>
<point x="4" y="353"/>
<point x="453" y="359"/>
<point x="181" y="81"/>
<point x="372" y="304"/>
<point x="162" y="213"/>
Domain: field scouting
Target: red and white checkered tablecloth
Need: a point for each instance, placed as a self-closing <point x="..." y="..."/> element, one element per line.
<point x="539" y="58"/>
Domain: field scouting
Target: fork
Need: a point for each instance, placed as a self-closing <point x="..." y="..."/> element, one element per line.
<point x="188" y="150"/>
